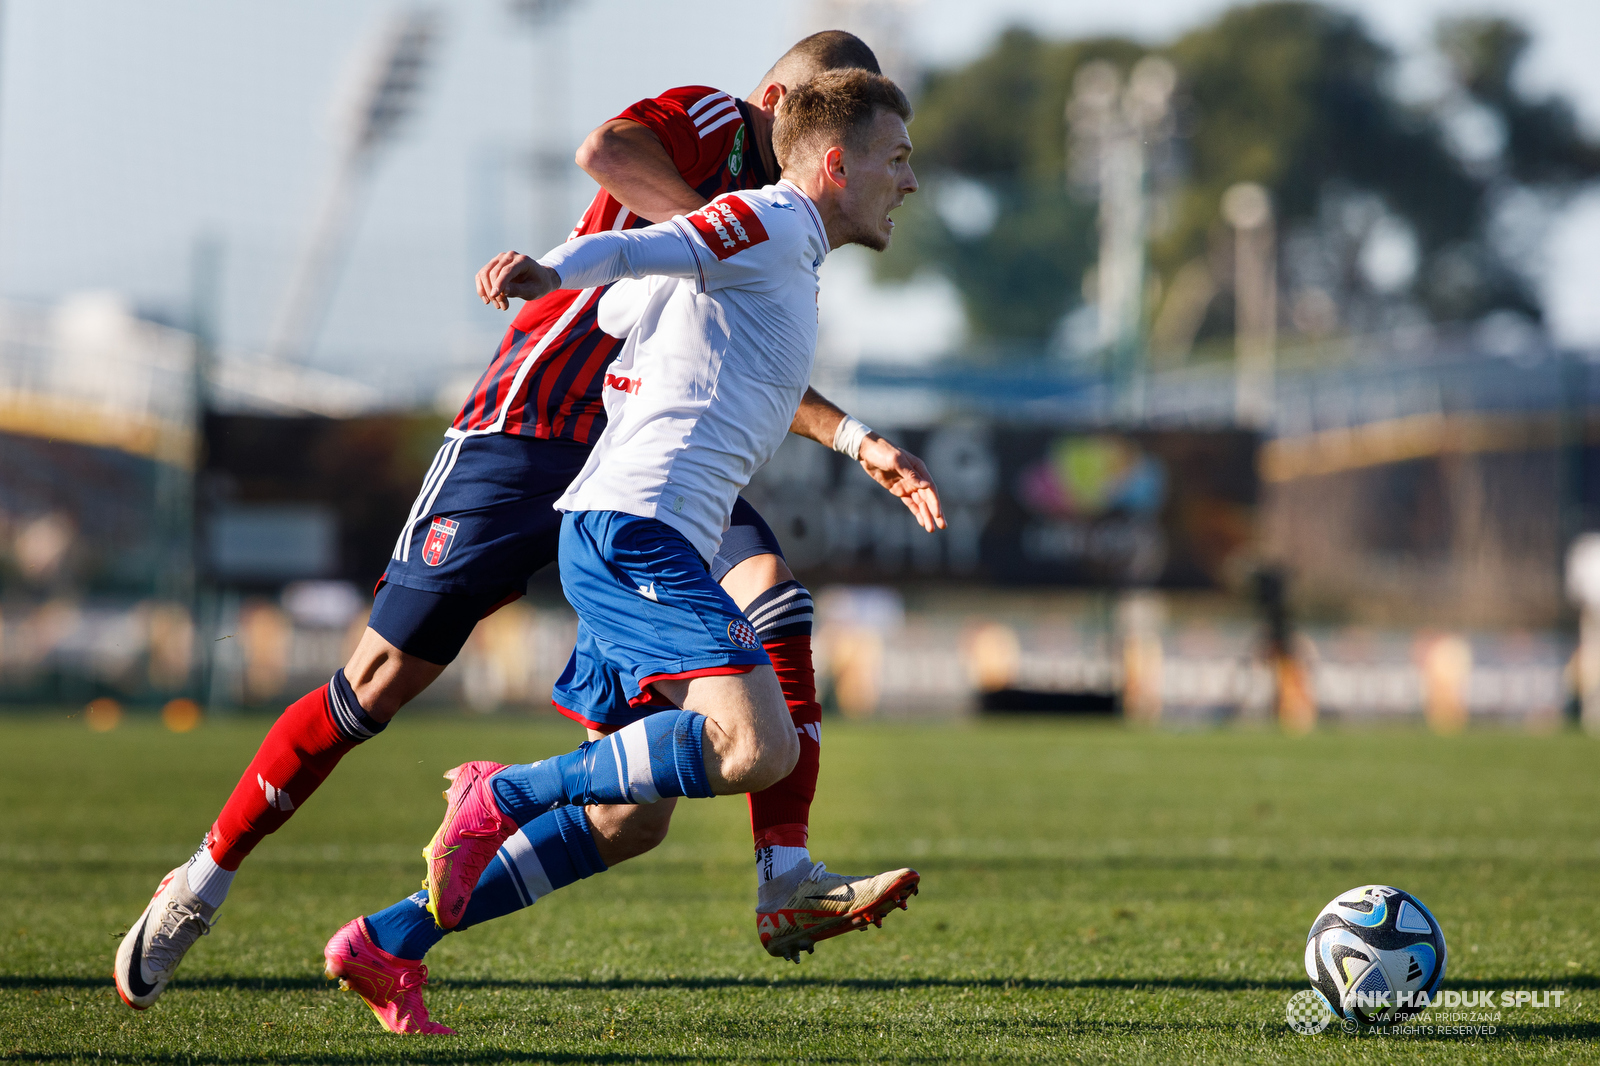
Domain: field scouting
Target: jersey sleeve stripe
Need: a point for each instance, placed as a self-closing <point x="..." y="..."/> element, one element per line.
<point x="700" y="270"/>
<point x="731" y="116"/>
<point x="705" y="101"/>
<point x="712" y="112"/>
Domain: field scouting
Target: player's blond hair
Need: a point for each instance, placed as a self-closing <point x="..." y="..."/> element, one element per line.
<point x="834" y="108"/>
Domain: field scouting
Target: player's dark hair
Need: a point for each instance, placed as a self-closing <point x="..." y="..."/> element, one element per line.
<point x="835" y="107"/>
<point x="828" y="50"/>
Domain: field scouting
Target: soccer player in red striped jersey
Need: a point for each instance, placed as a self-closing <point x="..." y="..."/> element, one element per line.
<point x="545" y="381"/>
<point x="483" y="523"/>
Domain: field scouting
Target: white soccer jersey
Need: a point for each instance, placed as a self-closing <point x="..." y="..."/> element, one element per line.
<point x="720" y="334"/>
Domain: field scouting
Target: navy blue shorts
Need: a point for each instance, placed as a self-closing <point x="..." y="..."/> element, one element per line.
<point x="482" y="525"/>
<point x="648" y="611"/>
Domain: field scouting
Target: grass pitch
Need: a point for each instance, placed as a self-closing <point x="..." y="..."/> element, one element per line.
<point x="1090" y="894"/>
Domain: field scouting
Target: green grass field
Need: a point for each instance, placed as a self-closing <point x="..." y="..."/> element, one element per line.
<point x="1090" y="894"/>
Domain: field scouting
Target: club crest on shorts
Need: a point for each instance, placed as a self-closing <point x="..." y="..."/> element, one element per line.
<point x="441" y="534"/>
<point x="743" y="634"/>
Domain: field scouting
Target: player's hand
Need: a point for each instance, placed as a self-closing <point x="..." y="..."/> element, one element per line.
<point x="514" y="275"/>
<point x="904" y="475"/>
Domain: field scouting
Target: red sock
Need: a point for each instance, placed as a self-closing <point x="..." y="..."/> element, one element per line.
<point x="299" y="752"/>
<point x="780" y="815"/>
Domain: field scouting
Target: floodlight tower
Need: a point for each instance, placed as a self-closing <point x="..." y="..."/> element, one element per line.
<point x="1247" y="207"/>
<point x="550" y="161"/>
<point x="1115" y="129"/>
<point x="388" y="80"/>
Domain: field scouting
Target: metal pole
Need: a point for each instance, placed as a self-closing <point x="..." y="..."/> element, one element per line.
<point x="391" y="80"/>
<point x="205" y="289"/>
<point x="1248" y="209"/>
<point x="549" y="161"/>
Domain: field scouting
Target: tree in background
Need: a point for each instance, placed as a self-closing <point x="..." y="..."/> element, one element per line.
<point x="1390" y="210"/>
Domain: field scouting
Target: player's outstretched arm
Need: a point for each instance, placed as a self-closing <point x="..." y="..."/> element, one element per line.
<point x="590" y="260"/>
<point x="892" y="467"/>
<point x="630" y="162"/>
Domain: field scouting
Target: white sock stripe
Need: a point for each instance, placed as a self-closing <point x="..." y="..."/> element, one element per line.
<point x="344" y="718"/>
<point x="796" y="599"/>
<point x="792" y="613"/>
<point x="524" y="862"/>
<point x="641" y="785"/>
<point x="515" y="878"/>
<point x="620" y="756"/>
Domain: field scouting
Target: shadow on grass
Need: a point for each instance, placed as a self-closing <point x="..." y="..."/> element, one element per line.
<point x="860" y="984"/>
<point x="410" y="1053"/>
<point x="443" y="1053"/>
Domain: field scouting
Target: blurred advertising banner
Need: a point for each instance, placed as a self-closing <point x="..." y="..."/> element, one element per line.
<point x="1090" y="508"/>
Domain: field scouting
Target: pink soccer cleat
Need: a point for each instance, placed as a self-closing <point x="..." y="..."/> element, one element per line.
<point x="392" y="987"/>
<point x="473" y="829"/>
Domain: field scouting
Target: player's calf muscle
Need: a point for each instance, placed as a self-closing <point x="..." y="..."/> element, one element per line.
<point x="625" y="831"/>
<point x="750" y="741"/>
<point x="384" y="677"/>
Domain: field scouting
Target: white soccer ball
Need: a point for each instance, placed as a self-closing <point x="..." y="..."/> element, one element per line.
<point x="1372" y="954"/>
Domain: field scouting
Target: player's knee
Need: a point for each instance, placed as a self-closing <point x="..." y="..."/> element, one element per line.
<point x="624" y="831"/>
<point x="766" y="761"/>
<point x="384" y="678"/>
<point x="789" y="756"/>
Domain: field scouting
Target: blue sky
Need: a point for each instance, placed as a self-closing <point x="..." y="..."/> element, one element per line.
<point x="128" y="130"/>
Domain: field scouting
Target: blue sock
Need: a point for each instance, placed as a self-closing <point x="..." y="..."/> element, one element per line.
<point x="405" y="930"/>
<point x="548" y="853"/>
<point x="551" y="852"/>
<point x="657" y="756"/>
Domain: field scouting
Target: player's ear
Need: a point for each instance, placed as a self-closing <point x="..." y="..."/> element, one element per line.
<point x="772" y="95"/>
<point x="833" y="166"/>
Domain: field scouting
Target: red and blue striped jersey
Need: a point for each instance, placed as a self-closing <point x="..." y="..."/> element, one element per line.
<point x="545" y="378"/>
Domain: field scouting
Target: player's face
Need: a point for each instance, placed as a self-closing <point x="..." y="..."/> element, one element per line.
<point x="880" y="179"/>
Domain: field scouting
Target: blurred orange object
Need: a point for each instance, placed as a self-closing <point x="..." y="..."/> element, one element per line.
<point x="180" y="715"/>
<point x="1297" y="707"/>
<point x="103" y="714"/>
<point x="1446" y="671"/>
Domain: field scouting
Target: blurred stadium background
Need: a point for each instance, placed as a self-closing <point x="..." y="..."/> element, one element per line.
<point x="1253" y="349"/>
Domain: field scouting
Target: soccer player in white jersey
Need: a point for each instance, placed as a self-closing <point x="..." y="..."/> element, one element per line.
<point x="720" y="333"/>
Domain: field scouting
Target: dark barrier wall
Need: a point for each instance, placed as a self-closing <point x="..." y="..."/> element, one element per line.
<point x="289" y="498"/>
<point x="1088" y="507"/>
<point x="1026" y="507"/>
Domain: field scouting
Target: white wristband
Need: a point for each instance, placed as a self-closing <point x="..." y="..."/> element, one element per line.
<point x="848" y="437"/>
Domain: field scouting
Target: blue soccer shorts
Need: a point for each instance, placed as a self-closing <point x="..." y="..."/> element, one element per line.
<point x="648" y="611"/>
<point x="481" y="526"/>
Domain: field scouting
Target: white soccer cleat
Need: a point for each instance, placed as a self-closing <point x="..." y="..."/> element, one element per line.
<point x="805" y="906"/>
<point x="150" y="953"/>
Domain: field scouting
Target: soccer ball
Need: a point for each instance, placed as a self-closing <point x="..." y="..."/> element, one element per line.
<point x="1373" y="952"/>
